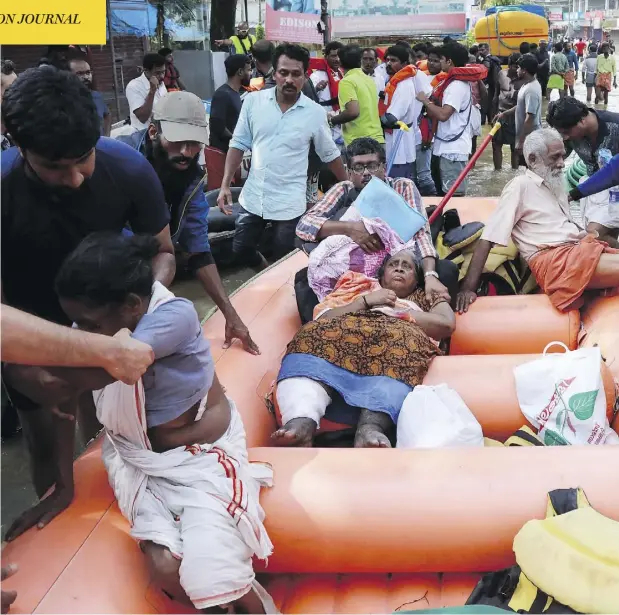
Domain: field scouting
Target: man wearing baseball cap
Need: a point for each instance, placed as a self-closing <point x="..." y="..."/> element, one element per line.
<point x="172" y="143"/>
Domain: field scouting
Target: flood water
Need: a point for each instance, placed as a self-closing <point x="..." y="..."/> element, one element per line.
<point x="17" y="492"/>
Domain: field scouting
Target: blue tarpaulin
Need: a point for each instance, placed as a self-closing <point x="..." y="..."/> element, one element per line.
<point x="133" y="18"/>
<point x="139" y="18"/>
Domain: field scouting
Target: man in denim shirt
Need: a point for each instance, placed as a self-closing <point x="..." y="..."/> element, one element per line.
<point x="278" y="125"/>
<point x="172" y="144"/>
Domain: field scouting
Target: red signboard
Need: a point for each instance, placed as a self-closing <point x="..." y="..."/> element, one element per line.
<point x="292" y="27"/>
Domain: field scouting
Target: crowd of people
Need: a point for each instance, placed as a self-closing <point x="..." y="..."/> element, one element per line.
<point x="94" y="228"/>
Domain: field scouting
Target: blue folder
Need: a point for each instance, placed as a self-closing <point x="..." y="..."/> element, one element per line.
<point x="378" y="200"/>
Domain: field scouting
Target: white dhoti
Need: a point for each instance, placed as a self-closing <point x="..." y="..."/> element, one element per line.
<point x="199" y="501"/>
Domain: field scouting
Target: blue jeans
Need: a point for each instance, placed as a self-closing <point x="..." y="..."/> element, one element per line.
<point x="422" y="176"/>
<point x="450" y="169"/>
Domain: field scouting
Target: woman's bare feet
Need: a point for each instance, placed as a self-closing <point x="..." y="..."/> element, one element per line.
<point x="296" y="432"/>
<point x="371" y="436"/>
<point x="372" y="429"/>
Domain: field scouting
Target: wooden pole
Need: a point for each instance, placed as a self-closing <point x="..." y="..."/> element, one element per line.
<point x="110" y="32"/>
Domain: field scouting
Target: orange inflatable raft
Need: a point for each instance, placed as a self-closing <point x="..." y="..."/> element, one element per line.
<point x="354" y="531"/>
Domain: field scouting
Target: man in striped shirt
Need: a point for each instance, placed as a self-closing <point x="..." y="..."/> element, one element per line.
<point x="366" y="159"/>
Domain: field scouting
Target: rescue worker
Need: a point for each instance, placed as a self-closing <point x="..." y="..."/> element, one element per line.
<point x="241" y="42"/>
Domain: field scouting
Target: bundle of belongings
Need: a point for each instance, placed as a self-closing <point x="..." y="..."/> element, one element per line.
<point x="566" y="563"/>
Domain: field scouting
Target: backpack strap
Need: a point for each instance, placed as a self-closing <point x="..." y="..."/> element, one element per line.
<point x="468" y="119"/>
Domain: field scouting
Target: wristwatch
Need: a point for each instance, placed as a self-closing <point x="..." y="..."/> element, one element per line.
<point x="427" y="274"/>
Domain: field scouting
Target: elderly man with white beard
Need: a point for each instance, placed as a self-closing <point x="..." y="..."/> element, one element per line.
<point x="533" y="211"/>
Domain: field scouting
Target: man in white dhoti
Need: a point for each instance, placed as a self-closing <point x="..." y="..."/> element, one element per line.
<point x="174" y="447"/>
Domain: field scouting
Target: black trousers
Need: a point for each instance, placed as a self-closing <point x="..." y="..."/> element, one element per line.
<point x="543" y="81"/>
<point x="249" y="229"/>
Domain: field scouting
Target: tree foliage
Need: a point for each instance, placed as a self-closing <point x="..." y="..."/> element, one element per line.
<point x="181" y="11"/>
<point x="469" y="38"/>
<point x="223" y="14"/>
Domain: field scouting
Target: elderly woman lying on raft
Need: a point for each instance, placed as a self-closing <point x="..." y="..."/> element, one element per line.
<point x="372" y="341"/>
<point x="174" y="448"/>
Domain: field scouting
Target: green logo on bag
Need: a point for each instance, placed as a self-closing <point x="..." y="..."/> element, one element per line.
<point x="582" y="404"/>
<point x="552" y="438"/>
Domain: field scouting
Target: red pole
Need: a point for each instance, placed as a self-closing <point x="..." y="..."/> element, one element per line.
<point x="437" y="212"/>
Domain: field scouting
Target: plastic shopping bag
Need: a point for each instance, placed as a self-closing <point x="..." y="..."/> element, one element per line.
<point x="434" y="417"/>
<point x="563" y="396"/>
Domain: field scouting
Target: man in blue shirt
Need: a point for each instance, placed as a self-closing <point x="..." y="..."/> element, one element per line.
<point x="277" y="125"/>
<point x="78" y="66"/>
<point x="172" y="144"/>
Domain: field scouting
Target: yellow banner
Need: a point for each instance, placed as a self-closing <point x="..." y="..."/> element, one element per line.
<point x="52" y="22"/>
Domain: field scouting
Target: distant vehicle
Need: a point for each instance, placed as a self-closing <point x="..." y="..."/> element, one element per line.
<point x="504" y="28"/>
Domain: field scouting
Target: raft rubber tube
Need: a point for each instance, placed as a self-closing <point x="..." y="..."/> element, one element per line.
<point x="513" y="324"/>
<point x="487" y="386"/>
<point x="448" y="510"/>
<point x="599" y="318"/>
<point x="360" y="526"/>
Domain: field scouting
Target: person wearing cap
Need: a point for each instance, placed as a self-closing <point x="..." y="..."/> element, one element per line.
<point x="528" y="109"/>
<point x="172" y="144"/>
<point x="242" y="42"/>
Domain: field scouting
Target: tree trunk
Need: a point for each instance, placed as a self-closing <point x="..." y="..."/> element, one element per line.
<point x="223" y="14"/>
<point x="160" y="31"/>
<point x="324" y="17"/>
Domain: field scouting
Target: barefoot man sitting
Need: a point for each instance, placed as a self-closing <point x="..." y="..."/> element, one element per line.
<point x="533" y="211"/>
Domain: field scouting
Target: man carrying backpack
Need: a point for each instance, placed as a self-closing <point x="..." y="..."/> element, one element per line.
<point x="451" y="106"/>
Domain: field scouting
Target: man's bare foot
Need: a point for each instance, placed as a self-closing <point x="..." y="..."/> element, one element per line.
<point x="296" y="432"/>
<point x="370" y="436"/>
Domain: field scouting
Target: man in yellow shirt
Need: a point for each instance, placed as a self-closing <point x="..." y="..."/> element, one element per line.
<point x="358" y="100"/>
<point x="605" y="70"/>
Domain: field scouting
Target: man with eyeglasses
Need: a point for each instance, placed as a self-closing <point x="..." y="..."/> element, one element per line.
<point x="144" y="91"/>
<point x="80" y="67"/>
<point x="366" y="159"/>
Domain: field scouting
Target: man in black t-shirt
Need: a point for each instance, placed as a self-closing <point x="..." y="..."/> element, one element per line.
<point x="543" y="71"/>
<point x="226" y="103"/>
<point x="63" y="183"/>
<point x="587" y="131"/>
